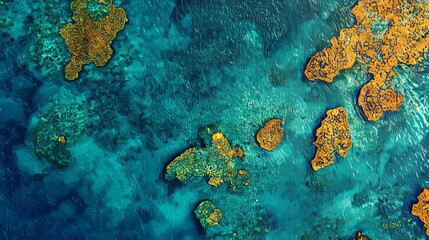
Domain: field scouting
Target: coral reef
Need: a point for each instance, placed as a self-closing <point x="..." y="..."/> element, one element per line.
<point x="386" y="33"/>
<point x="90" y="37"/>
<point x="333" y="136"/>
<point x="216" y="161"/>
<point x="208" y="214"/>
<point x="170" y="75"/>
<point x="58" y="128"/>
<point x="359" y="236"/>
<point x="375" y="100"/>
<point x="326" y="64"/>
<point x="421" y="209"/>
<point x="270" y="135"/>
<point x="48" y="51"/>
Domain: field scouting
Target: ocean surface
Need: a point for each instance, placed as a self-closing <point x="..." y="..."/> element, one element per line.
<point x="86" y="159"/>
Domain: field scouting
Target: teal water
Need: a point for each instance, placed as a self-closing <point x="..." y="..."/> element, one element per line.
<point x="179" y="66"/>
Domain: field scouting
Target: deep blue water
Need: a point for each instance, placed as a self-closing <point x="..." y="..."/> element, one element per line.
<point x="179" y="66"/>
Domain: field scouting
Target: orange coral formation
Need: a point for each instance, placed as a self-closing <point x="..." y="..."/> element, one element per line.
<point x="215" y="217"/>
<point x="240" y="179"/>
<point x="270" y="135"/>
<point x="421" y="209"/>
<point x="216" y="161"/>
<point x="386" y="33"/>
<point x="325" y="65"/>
<point x="360" y="236"/>
<point x="89" y="39"/>
<point x="61" y="139"/>
<point x="374" y="100"/>
<point x="333" y="136"/>
<point x="184" y="174"/>
<point x="208" y="214"/>
<point x="224" y="148"/>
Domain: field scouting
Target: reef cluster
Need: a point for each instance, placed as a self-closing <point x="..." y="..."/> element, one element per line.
<point x="216" y="161"/>
<point x="333" y="136"/>
<point x="88" y="39"/>
<point x="386" y="33"/>
<point x="270" y="135"/>
<point x="421" y="208"/>
<point x="208" y="214"/>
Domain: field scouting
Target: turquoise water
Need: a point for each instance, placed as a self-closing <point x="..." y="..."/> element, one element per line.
<point x="177" y="67"/>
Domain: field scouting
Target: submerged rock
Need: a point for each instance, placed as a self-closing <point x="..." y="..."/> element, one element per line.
<point x="333" y="136"/>
<point x="270" y="135"/>
<point x="208" y="214"/>
<point x="420" y="209"/>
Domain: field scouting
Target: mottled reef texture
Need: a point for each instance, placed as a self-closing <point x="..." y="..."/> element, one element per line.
<point x="421" y="208"/>
<point x="88" y="39"/>
<point x="270" y="135"/>
<point x="333" y="136"/>
<point x="360" y="236"/>
<point x="216" y="161"/>
<point x="386" y="33"/>
<point x="208" y="214"/>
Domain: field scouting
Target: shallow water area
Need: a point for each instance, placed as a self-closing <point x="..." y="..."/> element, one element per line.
<point x="87" y="159"/>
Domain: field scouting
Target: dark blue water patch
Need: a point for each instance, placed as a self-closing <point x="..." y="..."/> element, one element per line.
<point x="18" y="87"/>
<point x="106" y="101"/>
<point x="137" y="224"/>
<point x="27" y="216"/>
<point x="32" y="200"/>
<point x="217" y="28"/>
<point x="360" y="198"/>
<point x="144" y="215"/>
<point x="11" y="178"/>
<point x="76" y="199"/>
<point x="195" y="221"/>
